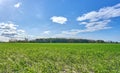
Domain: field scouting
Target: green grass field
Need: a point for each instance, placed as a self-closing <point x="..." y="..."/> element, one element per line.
<point x="59" y="58"/>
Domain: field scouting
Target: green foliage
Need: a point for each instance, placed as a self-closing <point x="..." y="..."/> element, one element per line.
<point x="59" y="58"/>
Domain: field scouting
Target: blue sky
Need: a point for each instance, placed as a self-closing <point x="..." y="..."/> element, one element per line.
<point x="88" y="19"/>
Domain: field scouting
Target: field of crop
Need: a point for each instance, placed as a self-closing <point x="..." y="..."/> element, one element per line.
<point x="59" y="58"/>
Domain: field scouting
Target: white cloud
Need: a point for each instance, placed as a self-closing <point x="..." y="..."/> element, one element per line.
<point x="59" y="19"/>
<point x="21" y="31"/>
<point x="47" y="32"/>
<point x="7" y="26"/>
<point x="3" y="39"/>
<point x="96" y="25"/>
<point x="102" y="14"/>
<point x="10" y="30"/>
<point x="17" y="5"/>
<point x="96" y="20"/>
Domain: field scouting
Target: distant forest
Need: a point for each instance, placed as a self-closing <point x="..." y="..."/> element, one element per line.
<point x="61" y="40"/>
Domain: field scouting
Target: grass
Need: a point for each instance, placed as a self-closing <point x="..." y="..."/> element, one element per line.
<point x="59" y="58"/>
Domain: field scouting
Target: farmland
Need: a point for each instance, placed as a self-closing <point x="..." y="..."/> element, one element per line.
<point x="59" y="58"/>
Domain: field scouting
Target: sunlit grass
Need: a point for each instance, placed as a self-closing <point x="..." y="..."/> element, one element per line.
<point x="59" y="58"/>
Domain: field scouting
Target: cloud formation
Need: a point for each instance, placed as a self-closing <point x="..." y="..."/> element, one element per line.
<point x="59" y="19"/>
<point x="103" y="14"/>
<point x="17" y="5"/>
<point x="10" y="30"/>
<point x="47" y="32"/>
<point x="96" y="20"/>
<point x="3" y="39"/>
<point x="90" y="27"/>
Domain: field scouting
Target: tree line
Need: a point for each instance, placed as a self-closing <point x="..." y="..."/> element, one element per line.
<point x="61" y="40"/>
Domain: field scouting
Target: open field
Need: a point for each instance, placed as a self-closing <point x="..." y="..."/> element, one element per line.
<point x="59" y="58"/>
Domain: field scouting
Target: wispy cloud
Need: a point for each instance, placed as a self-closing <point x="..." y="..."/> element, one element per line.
<point x="10" y="30"/>
<point x="103" y="14"/>
<point x="96" y="20"/>
<point x="17" y="5"/>
<point x="59" y="19"/>
<point x="47" y="32"/>
<point x="90" y="27"/>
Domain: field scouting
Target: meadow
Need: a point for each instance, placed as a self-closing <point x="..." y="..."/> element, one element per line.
<point x="59" y="58"/>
